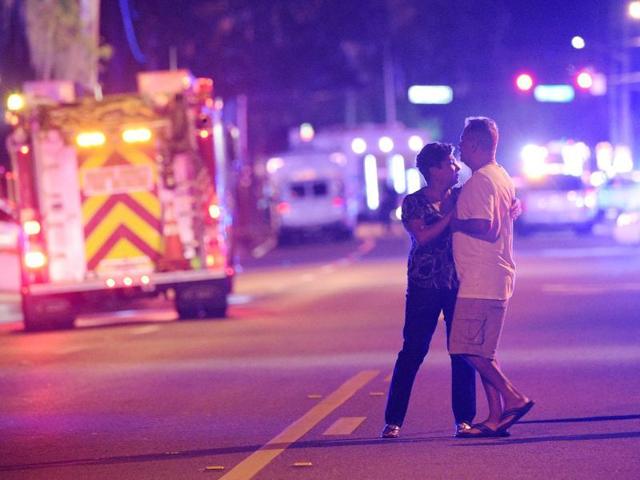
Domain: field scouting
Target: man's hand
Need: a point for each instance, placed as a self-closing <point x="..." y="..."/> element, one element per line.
<point x="516" y="209"/>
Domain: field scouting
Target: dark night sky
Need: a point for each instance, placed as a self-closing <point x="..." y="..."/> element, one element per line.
<point x="299" y="58"/>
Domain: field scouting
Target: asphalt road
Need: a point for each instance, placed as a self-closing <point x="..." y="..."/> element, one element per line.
<point x="292" y="385"/>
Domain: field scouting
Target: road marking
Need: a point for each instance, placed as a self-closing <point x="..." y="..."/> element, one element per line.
<point x="376" y="394"/>
<point x="314" y="396"/>
<point x="259" y="459"/>
<point x="585" y="252"/>
<point x="145" y="330"/>
<point x="344" y="426"/>
<point x="388" y="377"/>
<point x="68" y="350"/>
<point x="302" y="464"/>
<point x="261" y="250"/>
<point x="590" y="289"/>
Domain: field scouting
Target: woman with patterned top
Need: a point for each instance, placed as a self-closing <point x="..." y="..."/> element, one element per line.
<point x="432" y="288"/>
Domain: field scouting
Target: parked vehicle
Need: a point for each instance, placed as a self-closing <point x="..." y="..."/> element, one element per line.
<point x="619" y="194"/>
<point x="627" y="228"/>
<point x="311" y="191"/>
<point x="556" y="202"/>
<point x="121" y="198"/>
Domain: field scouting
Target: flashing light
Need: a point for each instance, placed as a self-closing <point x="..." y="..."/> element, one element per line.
<point x="575" y="156"/>
<point x="15" y="102"/>
<point x="398" y="174"/>
<point x="337" y="202"/>
<point x="554" y="93"/>
<point x="338" y="158"/>
<point x="533" y="159"/>
<point x="626" y="219"/>
<point x="127" y="281"/>
<point x="371" y="181"/>
<point x="634" y="10"/>
<point x="24" y="149"/>
<point x="204" y="133"/>
<point x="90" y="139"/>
<point x="307" y="132"/>
<point x="31" y="227"/>
<point x="596" y="179"/>
<point x="430" y="94"/>
<point x="578" y="42"/>
<point x="145" y="280"/>
<point x="35" y="259"/>
<point x="604" y="156"/>
<point x="136" y="135"/>
<point x="214" y="211"/>
<point x="590" y="199"/>
<point x="358" y="145"/>
<point x="599" y="87"/>
<point x="398" y="213"/>
<point x="385" y="144"/>
<point x="110" y="282"/>
<point x="274" y="164"/>
<point x="283" y="208"/>
<point x="524" y="82"/>
<point x="413" y="180"/>
<point x="210" y="260"/>
<point x="415" y="143"/>
<point x="584" y="80"/>
<point x="622" y="160"/>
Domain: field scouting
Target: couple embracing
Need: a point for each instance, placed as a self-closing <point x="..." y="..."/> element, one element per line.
<point x="461" y="265"/>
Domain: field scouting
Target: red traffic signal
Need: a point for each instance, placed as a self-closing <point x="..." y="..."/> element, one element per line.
<point x="584" y="80"/>
<point x="524" y="82"/>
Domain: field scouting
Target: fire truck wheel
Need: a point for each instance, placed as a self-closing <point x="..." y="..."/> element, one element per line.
<point x="217" y="310"/>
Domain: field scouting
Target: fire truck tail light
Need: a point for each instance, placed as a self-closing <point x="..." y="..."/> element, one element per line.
<point x="204" y="133"/>
<point x="31" y="227"/>
<point x="15" y="102"/>
<point x="214" y="211"/>
<point x="90" y="139"/>
<point x="24" y="149"/>
<point x="35" y="259"/>
<point x="136" y="135"/>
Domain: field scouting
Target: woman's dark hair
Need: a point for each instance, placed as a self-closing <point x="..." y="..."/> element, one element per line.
<point x="432" y="155"/>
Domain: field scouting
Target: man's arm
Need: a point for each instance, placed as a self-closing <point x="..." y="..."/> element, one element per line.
<point x="479" y="228"/>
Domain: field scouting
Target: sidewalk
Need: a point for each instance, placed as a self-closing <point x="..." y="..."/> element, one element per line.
<point x="10" y="307"/>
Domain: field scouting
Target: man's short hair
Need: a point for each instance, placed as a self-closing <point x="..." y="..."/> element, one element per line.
<point x="486" y="131"/>
<point x="432" y="155"/>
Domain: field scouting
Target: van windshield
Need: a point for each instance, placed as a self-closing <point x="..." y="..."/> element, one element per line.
<point x="309" y="189"/>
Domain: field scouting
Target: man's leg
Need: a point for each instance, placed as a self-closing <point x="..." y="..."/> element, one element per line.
<point x="492" y="375"/>
<point x="463" y="375"/>
<point x="421" y="317"/>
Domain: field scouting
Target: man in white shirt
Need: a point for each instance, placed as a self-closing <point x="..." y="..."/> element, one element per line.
<point x="483" y="254"/>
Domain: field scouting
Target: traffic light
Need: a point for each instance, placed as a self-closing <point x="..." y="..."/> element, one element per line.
<point x="584" y="80"/>
<point x="524" y="82"/>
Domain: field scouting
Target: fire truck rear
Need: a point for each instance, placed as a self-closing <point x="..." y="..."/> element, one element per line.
<point x="123" y="198"/>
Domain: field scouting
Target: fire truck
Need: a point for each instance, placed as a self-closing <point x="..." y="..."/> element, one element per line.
<point x="122" y="198"/>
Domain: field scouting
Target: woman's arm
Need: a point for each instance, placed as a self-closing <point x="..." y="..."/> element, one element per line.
<point x="424" y="233"/>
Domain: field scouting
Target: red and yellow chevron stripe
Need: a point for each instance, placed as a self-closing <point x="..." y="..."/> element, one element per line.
<point x="120" y="205"/>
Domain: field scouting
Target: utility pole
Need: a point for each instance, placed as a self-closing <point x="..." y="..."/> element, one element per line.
<point x="389" y="85"/>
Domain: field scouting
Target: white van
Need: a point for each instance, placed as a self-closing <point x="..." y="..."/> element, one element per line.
<point x="311" y="192"/>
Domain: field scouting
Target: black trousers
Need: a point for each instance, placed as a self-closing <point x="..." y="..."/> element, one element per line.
<point x="423" y="307"/>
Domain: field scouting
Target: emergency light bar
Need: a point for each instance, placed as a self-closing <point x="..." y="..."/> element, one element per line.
<point x="90" y="139"/>
<point x="136" y="135"/>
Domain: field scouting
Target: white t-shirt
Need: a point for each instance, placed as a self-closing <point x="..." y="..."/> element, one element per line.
<point x="486" y="270"/>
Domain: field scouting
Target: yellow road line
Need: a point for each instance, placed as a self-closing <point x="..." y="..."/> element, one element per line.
<point x="259" y="459"/>
<point x="344" y="426"/>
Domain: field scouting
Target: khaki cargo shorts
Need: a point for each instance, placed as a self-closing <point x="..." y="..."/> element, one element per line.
<point x="477" y="325"/>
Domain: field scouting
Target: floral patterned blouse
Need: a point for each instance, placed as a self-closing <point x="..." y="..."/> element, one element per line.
<point x="430" y="265"/>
